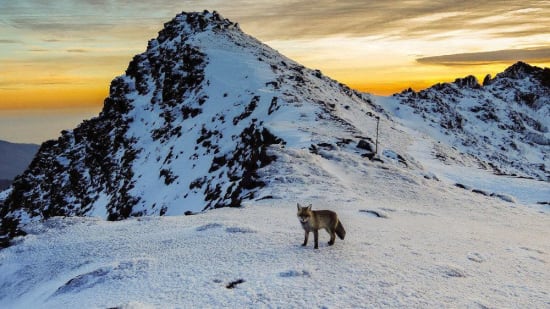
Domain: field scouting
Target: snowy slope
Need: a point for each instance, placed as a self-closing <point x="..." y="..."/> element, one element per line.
<point x="209" y="117"/>
<point x="436" y="247"/>
<point x="187" y="128"/>
<point x="504" y="123"/>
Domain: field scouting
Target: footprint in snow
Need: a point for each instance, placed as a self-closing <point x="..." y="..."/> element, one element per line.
<point x="237" y="229"/>
<point x="534" y="254"/>
<point x="208" y="227"/>
<point x="374" y="213"/>
<point x="294" y="273"/>
<point x="532" y="250"/>
<point x="476" y="257"/>
<point x="451" y="271"/>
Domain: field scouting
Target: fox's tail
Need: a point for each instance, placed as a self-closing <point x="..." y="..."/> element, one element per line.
<point x="340" y="230"/>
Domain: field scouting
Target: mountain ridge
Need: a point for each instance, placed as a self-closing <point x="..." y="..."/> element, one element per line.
<point x="502" y="122"/>
<point x="209" y="117"/>
<point x="185" y="129"/>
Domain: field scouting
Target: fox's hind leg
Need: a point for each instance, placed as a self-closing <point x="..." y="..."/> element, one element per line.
<point x="332" y="237"/>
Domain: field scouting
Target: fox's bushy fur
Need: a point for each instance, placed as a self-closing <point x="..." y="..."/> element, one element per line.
<point x="313" y="220"/>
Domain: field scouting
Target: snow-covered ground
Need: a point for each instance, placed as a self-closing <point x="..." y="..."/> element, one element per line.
<point x="523" y="190"/>
<point x="414" y="239"/>
<point x="430" y="147"/>
<point x="438" y="246"/>
<point x="432" y="245"/>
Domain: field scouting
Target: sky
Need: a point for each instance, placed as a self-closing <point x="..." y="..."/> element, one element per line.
<point x="57" y="58"/>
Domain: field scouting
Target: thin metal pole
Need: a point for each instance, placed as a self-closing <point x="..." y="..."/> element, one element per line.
<point x="377" y="124"/>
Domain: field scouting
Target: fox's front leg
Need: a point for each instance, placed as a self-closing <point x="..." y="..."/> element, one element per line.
<point x="316" y="239"/>
<point x="305" y="238"/>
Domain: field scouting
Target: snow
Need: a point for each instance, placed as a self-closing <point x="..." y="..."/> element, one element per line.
<point x="437" y="247"/>
<point x="99" y="209"/>
<point x="4" y="194"/>
<point x="434" y="245"/>
<point x="527" y="191"/>
<point x="462" y="169"/>
<point x="414" y="239"/>
<point x="504" y="122"/>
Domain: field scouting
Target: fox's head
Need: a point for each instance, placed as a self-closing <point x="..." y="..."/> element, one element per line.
<point x="304" y="213"/>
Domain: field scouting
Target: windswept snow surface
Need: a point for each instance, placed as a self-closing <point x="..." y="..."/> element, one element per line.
<point x="527" y="191"/>
<point x="436" y="246"/>
<point x="414" y="239"/>
<point x="432" y="244"/>
<point x="431" y="148"/>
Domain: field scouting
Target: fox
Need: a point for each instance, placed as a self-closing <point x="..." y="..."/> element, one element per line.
<point x="314" y="220"/>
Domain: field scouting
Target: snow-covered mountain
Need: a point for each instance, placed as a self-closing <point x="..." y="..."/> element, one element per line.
<point x="191" y="126"/>
<point x="504" y="123"/>
<point x="14" y="159"/>
<point x="209" y="117"/>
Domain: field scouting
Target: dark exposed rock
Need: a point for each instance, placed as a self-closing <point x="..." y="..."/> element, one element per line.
<point x="365" y="145"/>
<point x="159" y="105"/>
<point x="498" y="123"/>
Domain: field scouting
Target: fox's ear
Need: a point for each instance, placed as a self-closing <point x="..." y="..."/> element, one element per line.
<point x="298" y="205"/>
<point x="309" y="207"/>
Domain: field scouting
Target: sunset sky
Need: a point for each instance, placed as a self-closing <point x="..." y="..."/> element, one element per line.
<point x="57" y="58"/>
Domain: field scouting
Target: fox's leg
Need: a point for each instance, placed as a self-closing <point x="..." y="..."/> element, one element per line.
<point x="332" y="237"/>
<point x="305" y="238"/>
<point x="316" y="238"/>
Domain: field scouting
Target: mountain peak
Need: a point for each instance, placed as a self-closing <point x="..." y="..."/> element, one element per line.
<point x="469" y="81"/>
<point x="189" y="127"/>
<point x="194" y="22"/>
<point x="518" y="70"/>
<point x="503" y="123"/>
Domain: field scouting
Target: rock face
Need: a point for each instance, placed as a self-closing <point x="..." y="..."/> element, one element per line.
<point x="504" y="122"/>
<point x="185" y="129"/>
<point x="210" y="117"/>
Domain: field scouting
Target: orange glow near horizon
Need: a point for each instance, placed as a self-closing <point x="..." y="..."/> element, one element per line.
<point x="58" y="55"/>
<point x="385" y="83"/>
<point x="381" y="83"/>
<point x="92" y="92"/>
<point x="54" y="98"/>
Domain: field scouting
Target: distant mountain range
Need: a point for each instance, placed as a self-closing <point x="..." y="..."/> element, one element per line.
<point x="505" y="122"/>
<point x="209" y="117"/>
<point x="14" y="159"/>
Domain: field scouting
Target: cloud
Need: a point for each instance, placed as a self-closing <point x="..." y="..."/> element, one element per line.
<point x="38" y="50"/>
<point x="59" y="24"/>
<point x="294" y="19"/>
<point x="8" y="41"/>
<point x="386" y="35"/>
<point x="77" y="50"/>
<point x="541" y="54"/>
<point x="398" y="19"/>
